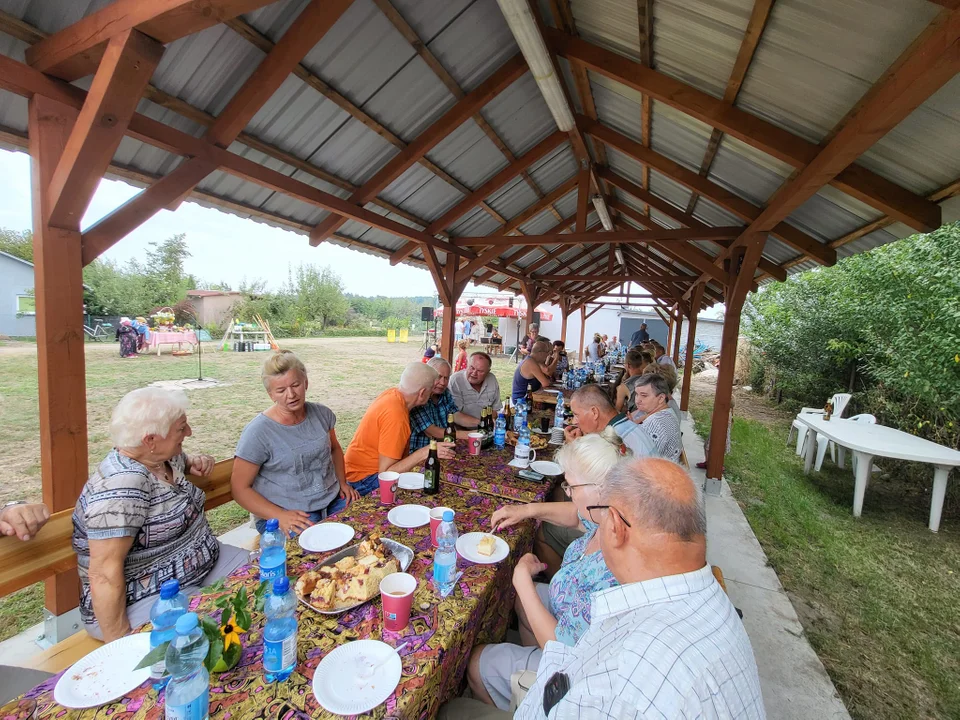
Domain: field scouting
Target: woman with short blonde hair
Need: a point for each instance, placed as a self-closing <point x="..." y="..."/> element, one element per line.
<point x="289" y="464"/>
<point x="560" y="610"/>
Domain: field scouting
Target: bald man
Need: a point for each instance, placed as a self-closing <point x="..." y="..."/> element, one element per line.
<point x="666" y="642"/>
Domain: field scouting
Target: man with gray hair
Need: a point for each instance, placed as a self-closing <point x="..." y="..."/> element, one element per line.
<point x="428" y="421"/>
<point x="666" y="642"/>
<point x="382" y="439"/>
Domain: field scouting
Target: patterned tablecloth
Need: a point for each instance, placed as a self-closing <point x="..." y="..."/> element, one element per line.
<point x="171" y="338"/>
<point x="490" y="474"/>
<point x="441" y="631"/>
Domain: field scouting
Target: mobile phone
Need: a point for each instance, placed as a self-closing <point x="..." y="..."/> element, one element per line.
<point x="530" y="475"/>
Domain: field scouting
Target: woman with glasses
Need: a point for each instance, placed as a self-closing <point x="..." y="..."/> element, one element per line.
<point x="559" y="610"/>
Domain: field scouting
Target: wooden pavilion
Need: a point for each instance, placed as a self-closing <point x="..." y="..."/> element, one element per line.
<point x="556" y="148"/>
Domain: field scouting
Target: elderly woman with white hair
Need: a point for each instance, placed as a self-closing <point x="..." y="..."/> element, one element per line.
<point x="289" y="462"/>
<point x="139" y="521"/>
<point x="559" y="611"/>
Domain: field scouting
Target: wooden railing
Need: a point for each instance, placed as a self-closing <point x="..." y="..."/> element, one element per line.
<point x="51" y="551"/>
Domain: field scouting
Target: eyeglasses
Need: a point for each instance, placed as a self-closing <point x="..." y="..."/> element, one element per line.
<point x="567" y="487"/>
<point x="591" y="508"/>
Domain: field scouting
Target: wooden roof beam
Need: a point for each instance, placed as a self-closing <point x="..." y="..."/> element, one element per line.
<point x="866" y="186"/>
<point x="505" y="76"/>
<point x="75" y="51"/>
<point x="720" y="195"/>
<point x="587" y="238"/>
<point x="931" y="61"/>
<point x="625" y="278"/>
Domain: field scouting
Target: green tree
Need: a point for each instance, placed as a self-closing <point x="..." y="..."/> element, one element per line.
<point x="18" y="244"/>
<point x="318" y="295"/>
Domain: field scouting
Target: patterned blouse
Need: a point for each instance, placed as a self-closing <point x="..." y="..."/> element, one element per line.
<point x="578" y="578"/>
<point x="664" y="430"/>
<point x="171" y="537"/>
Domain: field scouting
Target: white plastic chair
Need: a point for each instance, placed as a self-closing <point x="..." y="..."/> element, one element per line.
<point x="839" y="401"/>
<point x="839" y="453"/>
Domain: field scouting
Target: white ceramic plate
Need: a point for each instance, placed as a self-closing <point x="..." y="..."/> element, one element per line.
<point x="104" y="675"/>
<point x="325" y="536"/>
<point x="545" y="467"/>
<point x="411" y="481"/>
<point x="467" y="547"/>
<point x="409" y="516"/>
<point x="338" y="687"/>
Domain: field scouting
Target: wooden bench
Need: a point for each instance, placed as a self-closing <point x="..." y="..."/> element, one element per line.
<point x="24" y="563"/>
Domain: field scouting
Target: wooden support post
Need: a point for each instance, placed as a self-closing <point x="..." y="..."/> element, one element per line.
<point x="670" y="324"/>
<point x="676" y="338"/>
<point x="564" y="312"/>
<point x="743" y="265"/>
<point x="447" y="331"/>
<point x="691" y="343"/>
<point x="58" y="286"/>
<point x="583" y="328"/>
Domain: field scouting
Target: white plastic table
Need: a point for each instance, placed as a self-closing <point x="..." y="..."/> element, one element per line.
<point x="868" y="441"/>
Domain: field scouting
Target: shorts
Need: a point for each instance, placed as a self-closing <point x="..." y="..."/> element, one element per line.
<point x="499" y="662"/>
<point x="559" y="537"/>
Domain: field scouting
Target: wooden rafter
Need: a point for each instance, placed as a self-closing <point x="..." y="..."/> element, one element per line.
<point x="509" y="72"/>
<point x="624" y="277"/>
<point x="931" y="61"/>
<point x="866" y="186"/>
<point x="645" y="18"/>
<point x="751" y="39"/>
<point x="720" y="195"/>
<point x="75" y="51"/>
<point x="586" y="238"/>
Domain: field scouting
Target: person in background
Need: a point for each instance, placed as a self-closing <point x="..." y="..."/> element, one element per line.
<point x="475" y="387"/>
<point x="640" y="336"/>
<point x="382" y="439"/>
<point x="614" y="344"/>
<point x="526" y="345"/>
<point x="662" y="357"/>
<point x="636" y="362"/>
<point x="128" y="338"/>
<point x="669" y="376"/>
<point x="595" y="349"/>
<point x="604" y="348"/>
<point x="475" y="332"/>
<point x="458" y="330"/>
<point x="430" y="352"/>
<point x="666" y="641"/>
<point x="495" y="334"/>
<point x="428" y="421"/>
<point x="467" y="328"/>
<point x="461" y="361"/>
<point x="139" y="521"/>
<point x="289" y="463"/>
<point x="532" y="371"/>
<point x="143" y="332"/>
<point x="562" y="363"/>
<point x="660" y="423"/>
<point x="559" y="610"/>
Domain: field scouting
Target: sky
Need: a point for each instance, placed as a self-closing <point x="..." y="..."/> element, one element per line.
<point x="224" y="247"/>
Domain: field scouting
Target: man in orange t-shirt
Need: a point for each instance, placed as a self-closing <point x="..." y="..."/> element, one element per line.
<point x="383" y="436"/>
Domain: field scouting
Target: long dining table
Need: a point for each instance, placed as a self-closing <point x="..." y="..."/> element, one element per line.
<point x="441" y="632"/>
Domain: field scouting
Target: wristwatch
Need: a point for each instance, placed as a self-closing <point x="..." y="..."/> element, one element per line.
<point x="12" y="502"/>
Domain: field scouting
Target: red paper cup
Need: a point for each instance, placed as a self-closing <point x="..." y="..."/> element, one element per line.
<point x="388" y="487"/>
<point x="474" y="440"/>
<point x="396" y="591"/>
<point x="436" y="517"/>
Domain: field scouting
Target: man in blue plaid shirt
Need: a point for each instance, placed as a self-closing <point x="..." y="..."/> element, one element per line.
<point x="428" y="422"/>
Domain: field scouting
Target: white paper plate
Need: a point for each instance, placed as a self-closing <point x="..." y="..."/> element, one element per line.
<point x="545" y="467"/>
<point x="104" y="675"/>
<point x="467" y="547"/>
<point x="336" y="682"/>
<point x="411" y="481"/>
<point x="325" y="536"/>
<point x="409" y="516"/>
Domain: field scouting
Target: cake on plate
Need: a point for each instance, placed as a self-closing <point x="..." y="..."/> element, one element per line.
<point x="351" y="580"/>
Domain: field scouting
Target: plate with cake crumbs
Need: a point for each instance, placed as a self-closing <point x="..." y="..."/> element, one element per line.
<point x="105" y="675"/>
<point x="350" y="679"/>
<point x="482" y="548"/>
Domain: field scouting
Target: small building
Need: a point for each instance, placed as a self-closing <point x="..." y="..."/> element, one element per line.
<point x="17" y="304"/>
<point x="213" y="307"/>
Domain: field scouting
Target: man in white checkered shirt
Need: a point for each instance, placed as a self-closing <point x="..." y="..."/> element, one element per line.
<point x="666" y="642"/>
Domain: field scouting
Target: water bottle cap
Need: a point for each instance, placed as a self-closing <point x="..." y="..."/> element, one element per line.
<point x="186" y="623"/>
<point x="273" y="525"/>
<point x="169" y="589"/>
<point x="448" y="515"/>
<point x="281" y="585"/>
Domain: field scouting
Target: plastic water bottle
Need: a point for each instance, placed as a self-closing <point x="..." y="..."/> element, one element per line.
<point x="164" y="614"/>
<point x="273" y="552"/>
<point x="280" y="632"/>
<point x="558" y="413"/>
<point x="445" y="557"/>
<point x="517" y="411"/>
<point x="500" y="431"/>
<point x="188" y="692"/>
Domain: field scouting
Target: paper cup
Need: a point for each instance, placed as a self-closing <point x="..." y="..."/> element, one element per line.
<point x="436" y="517"/>
<point x="396" y="592"/>
<point x="474" y="441"/>
<point x="388" y="487"/>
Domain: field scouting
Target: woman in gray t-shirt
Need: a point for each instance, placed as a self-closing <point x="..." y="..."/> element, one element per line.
<point x="289" y="462"/>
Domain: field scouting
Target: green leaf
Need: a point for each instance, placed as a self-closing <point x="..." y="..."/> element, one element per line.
<point x="243" y="619"/>
<point x="214" y="587"/>
<point x="154" y="656"/>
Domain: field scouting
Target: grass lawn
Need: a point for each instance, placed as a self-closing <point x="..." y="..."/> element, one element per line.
<point x="346" y="374"/>
<point x="879" y="595"/>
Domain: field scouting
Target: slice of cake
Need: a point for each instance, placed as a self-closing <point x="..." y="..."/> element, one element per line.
<point x="487" y="544"/>
<point x="362" y="581"/>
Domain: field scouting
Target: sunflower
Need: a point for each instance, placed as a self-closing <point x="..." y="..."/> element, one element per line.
<point x="231" y="632"/>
